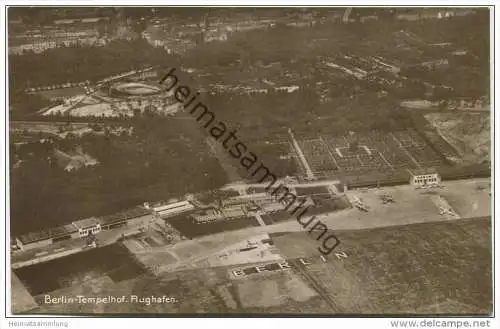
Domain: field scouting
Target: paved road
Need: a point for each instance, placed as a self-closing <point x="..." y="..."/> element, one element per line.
<point x="238" y="186"/>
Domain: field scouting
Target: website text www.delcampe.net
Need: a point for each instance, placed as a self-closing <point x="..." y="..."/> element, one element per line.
<point x="249" y="160"/>
<point x="441" y="323"/>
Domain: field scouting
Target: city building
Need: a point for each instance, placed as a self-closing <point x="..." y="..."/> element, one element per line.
<point x="39" y="41"/>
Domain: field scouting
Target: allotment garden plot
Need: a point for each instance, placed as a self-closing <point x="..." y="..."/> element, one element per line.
<point x="333" y="156"/>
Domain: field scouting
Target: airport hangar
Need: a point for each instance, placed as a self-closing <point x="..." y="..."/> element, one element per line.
<point x="136" y="218"/>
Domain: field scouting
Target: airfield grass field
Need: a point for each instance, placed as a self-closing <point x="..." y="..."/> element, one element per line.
<point x="429" y="268"/>
<point x="406" y="268"/>
<point x="21" y="298"/>
<point x="469" y="198"/>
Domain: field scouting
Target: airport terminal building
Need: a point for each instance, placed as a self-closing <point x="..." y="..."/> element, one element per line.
<point x="134" y="218"/>
<point x="427" y="177"/>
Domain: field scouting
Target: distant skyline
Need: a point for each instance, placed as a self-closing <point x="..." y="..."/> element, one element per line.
<point x="46" y="15"/>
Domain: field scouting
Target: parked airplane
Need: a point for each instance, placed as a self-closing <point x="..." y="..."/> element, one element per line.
<point x="361" y="207"/>
<point x="358" y="203"/>
<point x="386" y="198"/>
<point x="445" y="211"/>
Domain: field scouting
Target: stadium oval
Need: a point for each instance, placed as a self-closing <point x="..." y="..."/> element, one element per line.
<point x="134" y="89"/>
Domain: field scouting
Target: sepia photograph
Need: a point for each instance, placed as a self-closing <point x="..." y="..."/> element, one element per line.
<point x="250" y="161"/>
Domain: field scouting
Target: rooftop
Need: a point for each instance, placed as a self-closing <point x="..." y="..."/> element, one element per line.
<point x="86" y="222"/>
<point x="124" y="215"/>
<point x="174" y="205"/>
<point x="47" y="234"/>
<point x="422" y="171"/>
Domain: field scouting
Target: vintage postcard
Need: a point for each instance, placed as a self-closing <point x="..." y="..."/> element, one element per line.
<point x="250" y="161"/>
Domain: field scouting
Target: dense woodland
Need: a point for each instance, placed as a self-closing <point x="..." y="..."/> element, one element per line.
<point x="257" y="115"/>
<point x="162" y="159"/>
